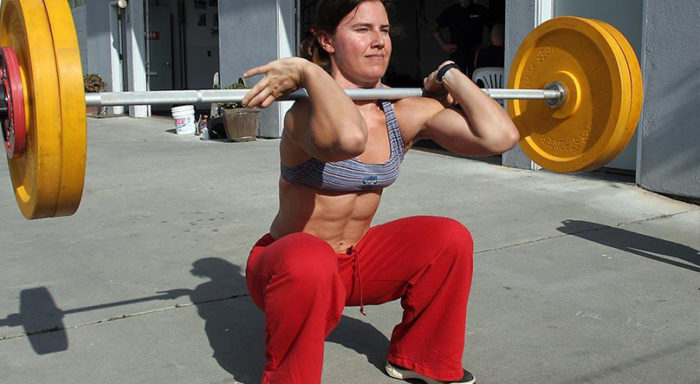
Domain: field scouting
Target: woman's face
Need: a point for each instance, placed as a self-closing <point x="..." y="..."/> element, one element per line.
<point x="360" y="48"/>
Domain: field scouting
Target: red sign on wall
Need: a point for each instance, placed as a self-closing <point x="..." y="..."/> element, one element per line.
<point x="153" y="35"/>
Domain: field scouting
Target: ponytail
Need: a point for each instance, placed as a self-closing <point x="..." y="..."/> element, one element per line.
<point x="311" y="50"/>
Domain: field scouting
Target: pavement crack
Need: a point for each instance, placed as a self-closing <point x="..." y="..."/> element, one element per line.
<point x="602" y="227"/>
<point x="29" y="333"/>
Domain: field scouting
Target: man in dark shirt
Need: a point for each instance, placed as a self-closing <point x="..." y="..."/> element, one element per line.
<point x="465" y="21"/>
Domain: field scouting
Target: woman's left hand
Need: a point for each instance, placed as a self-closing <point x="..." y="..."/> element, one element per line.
<point x="431" y="85"/>
<point x="479" y="127"/>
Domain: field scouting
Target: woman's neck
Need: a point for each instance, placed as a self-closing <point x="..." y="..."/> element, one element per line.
<point x="347" y="83"/>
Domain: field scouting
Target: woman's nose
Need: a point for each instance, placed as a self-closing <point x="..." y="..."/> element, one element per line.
<point x="378" y="39"/>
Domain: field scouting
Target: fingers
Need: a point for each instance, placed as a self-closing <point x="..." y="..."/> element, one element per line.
<point x="430" y="83"/>
<point x="279" y="78"/>
<point x="257" y="95"/>
<point x="265" y="92"/>
<point x="268" y="101"/>
<point x="256" y="71"/>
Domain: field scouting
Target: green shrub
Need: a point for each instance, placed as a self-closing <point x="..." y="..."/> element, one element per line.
<point x="93" y="83"/>
<point x="231" y="105"/>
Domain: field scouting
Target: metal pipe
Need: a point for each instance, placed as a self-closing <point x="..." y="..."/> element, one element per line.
<point x="235" y="95"/>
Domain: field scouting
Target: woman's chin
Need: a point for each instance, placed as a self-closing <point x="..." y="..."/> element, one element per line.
<point x="373" y="80"/>
<point x="367" y="79"/>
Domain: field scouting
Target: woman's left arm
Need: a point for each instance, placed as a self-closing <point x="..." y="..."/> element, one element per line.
<point x="482" y="127"/>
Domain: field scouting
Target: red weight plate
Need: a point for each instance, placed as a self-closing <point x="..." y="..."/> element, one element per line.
<point x="14" y="127"/>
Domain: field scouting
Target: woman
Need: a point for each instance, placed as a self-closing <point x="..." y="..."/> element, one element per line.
<point x="337" y="155"/>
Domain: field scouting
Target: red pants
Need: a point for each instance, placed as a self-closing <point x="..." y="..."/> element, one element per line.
<point x="302" y="285"/>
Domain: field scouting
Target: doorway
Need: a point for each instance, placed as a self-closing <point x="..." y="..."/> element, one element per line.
<point x="183" y="45"/>
<point x="160" y="52"/>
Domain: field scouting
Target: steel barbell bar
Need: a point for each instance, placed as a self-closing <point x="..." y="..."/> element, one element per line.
<point x="236" y="95"/>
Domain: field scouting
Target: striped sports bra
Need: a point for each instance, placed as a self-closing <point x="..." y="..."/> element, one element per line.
<point x="352" y="175"/>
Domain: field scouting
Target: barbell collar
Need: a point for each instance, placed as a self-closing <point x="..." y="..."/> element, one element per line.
<point x="236" y="95"/>
<point x="556" y="103"/>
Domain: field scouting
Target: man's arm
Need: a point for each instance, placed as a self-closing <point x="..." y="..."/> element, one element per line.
<point x="437" y="32"/>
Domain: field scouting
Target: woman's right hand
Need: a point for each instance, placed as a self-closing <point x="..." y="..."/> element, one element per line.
<point x="281" y="77"/>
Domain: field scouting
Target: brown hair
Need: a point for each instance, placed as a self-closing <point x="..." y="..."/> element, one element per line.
<point x="329" y="13"/>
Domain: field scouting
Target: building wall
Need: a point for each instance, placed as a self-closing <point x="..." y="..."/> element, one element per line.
<point x="99" y="43"/>
<point x="80" y="20"/>
<point x="97" y="40"/>
<point x="272" y="24"/>
<point x="521" y="17"/>
<point x="669" y="156"/>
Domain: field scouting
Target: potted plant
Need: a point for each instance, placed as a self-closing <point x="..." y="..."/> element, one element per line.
<point x="93" y="83"/>
<point x="239" y="123"/>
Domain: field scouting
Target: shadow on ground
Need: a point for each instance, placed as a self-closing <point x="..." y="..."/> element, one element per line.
<point x="235" y="328"/>
<point x="650" y="247"/>
<point x="233" y="324"/>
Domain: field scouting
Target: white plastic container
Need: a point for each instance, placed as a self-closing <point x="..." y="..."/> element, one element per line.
<point x="184" y="119"/>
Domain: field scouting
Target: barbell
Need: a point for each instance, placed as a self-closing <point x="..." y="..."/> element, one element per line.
<point x="585" y="71"/>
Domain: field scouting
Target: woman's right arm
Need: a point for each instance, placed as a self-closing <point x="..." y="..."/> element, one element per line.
<point x="327" y="125"/>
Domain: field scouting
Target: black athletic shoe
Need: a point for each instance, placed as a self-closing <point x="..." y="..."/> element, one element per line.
<point x="402" y="373"/>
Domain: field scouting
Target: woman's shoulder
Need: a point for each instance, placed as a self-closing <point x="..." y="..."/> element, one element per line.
<point x="415" y="107"/>
<point x="413" y="114"/>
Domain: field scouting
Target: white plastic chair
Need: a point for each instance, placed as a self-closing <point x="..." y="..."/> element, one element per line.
<point x="214" y="107"/>
<point x="489" y="77"/>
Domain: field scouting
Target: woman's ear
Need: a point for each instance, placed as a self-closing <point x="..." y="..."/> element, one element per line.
<point x="325" y="41"/>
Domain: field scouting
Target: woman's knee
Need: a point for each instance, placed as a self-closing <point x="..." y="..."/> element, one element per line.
<point x="455" y="239"/>
<point x="459" y="233"/>
<point x="450" y="233"/>
<point x="298" y="266"/>
<point x="307" y="259"/>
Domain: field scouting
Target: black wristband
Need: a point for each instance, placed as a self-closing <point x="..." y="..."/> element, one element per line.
<point x="443" y="70"/>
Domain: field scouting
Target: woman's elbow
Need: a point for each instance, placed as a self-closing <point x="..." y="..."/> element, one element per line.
<point x="512" y="135"/>
<point x="508" y="138"/>
<point x="352" y="143"/>
<point x="349" y="143"/>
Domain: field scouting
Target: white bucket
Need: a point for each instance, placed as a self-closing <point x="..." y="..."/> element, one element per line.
<point x="184" y="119"/>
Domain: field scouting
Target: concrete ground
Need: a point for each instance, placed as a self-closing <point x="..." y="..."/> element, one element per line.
<point x="578" y="278"/>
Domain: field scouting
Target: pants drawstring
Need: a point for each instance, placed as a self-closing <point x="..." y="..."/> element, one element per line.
<point x="356" y="269"/>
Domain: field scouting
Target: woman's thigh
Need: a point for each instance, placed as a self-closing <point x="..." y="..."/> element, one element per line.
<point x="393" y="255"/>
<point x="296" y="259"/>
